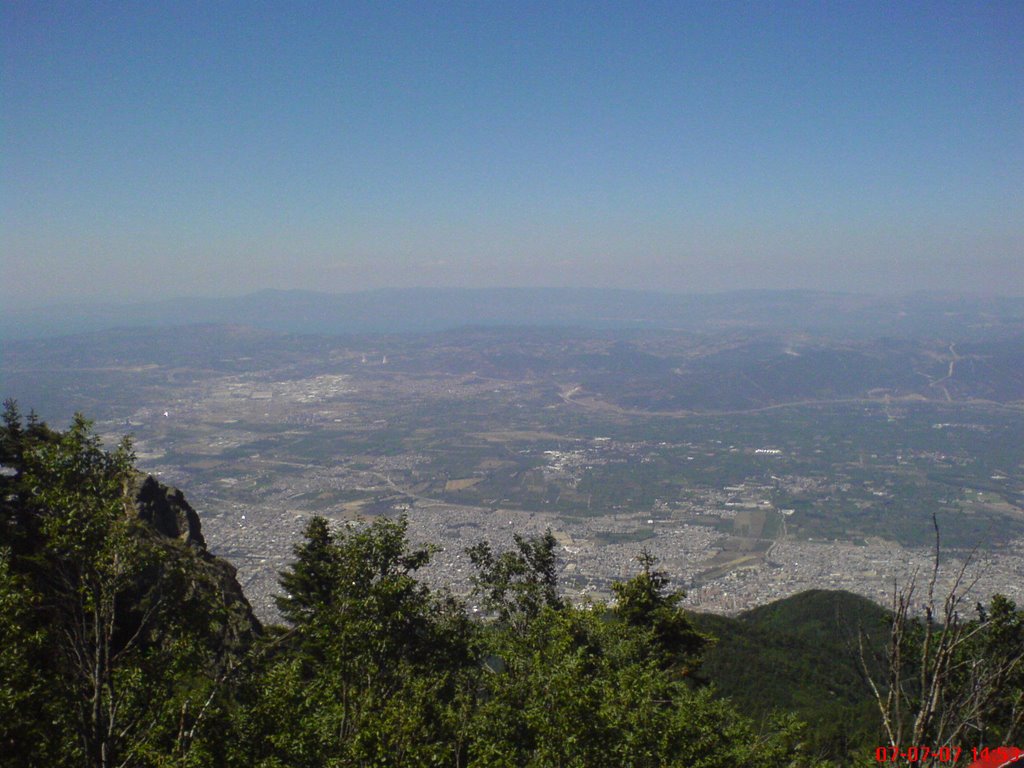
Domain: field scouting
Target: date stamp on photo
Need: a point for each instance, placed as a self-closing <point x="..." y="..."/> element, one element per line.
<point x="980" y="757"/>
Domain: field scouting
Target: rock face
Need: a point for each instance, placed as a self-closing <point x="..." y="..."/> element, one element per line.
<point x="175" y="525"/>
<point x="165" y="509"/>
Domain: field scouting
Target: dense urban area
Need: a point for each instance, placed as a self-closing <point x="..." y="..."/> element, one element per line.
<point x="475" y="435"/>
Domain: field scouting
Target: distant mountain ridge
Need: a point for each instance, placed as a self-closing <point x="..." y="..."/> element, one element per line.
<point x="641" y="371"/>
<point x="433" y="309"/>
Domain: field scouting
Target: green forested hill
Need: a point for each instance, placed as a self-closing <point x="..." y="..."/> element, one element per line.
<point x="800" y="654"/>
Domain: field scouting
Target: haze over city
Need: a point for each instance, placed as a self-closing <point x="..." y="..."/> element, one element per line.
<point x="192" y="149"/>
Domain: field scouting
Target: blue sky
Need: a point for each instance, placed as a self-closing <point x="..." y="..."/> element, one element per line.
<point x="218" y="148"/>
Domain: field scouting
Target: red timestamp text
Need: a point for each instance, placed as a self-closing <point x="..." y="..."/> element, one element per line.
<point x="998" y="756"/>
<point x="980" y="756"/>
<point x="918" y="754"/>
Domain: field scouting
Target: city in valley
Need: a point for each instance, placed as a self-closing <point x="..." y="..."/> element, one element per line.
<point x="751" y="465"/>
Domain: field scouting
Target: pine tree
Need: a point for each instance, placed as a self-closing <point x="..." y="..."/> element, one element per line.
<point x="645" y="602"/>
<point x="309" y="583"/>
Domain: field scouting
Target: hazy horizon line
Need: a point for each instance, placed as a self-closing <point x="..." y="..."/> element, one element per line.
<point x="19" y="307"/>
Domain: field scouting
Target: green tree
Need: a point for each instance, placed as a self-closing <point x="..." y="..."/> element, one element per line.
<point x="11" y="434"/>
<point x="309" y="584"/>
<point x="18" y="528"/>
<point x="645" y="602"/>
<point x="593" y="686"/>
<point x="29" y="714"/>
<point x="77" y="490"/>
<point x="515" y="585"/>
<point x="999" y="648"/>
<point x="573" y="688"/>
<point x="131" y="653"/>
<point x="373" y="668"/>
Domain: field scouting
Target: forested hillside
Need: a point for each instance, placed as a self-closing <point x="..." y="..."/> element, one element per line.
<point x="801" y="654"/>
<point x="123" y="642"/>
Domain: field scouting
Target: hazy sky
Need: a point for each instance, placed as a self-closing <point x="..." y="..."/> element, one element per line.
<point x="217" y="148"/>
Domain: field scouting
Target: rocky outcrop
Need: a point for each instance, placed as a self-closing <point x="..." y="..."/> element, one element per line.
<point x="175" y="525"/>
<point x="165" y="509"/>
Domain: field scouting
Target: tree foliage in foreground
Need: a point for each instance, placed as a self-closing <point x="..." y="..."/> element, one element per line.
<point x="375" y="669"/>
<point x="369" y="668"/>
<point x="113" y="629"/>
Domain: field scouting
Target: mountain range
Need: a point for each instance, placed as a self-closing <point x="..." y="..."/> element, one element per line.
<point x="957" y="318"/>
